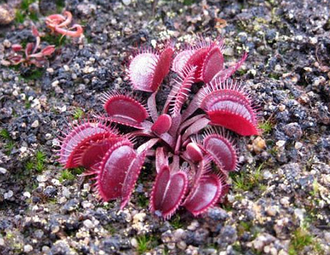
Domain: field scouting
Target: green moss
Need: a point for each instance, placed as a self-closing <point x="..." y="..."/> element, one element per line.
<point x="66" y="175"/>
<point x="33" y="74"/>
<point x="78" y="113"/>
<point x="23" y="12"/>
<point x="176" y="222"/>
<point x="300" y="239"/>
<point x="266" y="126"/>
<point x="9" y="143"/>
<point x="37" y="163"/>
<point x="4" y="133"/>
<point x="145" y="243"/>
<point x="70" y="174"/>
<point x="142" y="200"/>
<point x="52" y="39"/>
<point x="27" y="103"/>
<point x="246" y="180"/>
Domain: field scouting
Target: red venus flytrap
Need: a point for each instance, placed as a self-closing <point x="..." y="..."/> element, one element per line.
<point x="193" y="152"/>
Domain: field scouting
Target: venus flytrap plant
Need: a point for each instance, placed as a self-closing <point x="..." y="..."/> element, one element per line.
<point x="31" y="54"/>
<point x="59" y="23"/>
<point x="193" y="152"/>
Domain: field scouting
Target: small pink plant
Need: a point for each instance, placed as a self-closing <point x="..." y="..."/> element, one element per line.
<point x="31" y="54"/>
<point x="59" y="23"/>
<point x="193" y="152"/>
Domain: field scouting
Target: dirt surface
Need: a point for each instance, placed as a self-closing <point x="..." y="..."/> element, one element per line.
<point x="279" y="201"/>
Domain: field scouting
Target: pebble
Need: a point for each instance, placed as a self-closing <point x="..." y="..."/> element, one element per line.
<point x="258" y="145"/>
<point x="293" y="130"/>
<point x="181" y="245"/>
<point x="271" y="210"/>
<point x="139" y="217"/>
<point x="193" y="225"/>
<point x="262" y="240"/>
<point x="298" y="145"/>
<point x="280" y="143"/>
<point x="88" y="224"/>
<point x="35" y="124"/>
<point x="6" y="43"/>
<point x="8" y="194"/>
<point x="2" y="242"/>
<point x="285" y="201"/>
<point x="126" y="2"/>
<point x="28" y="248"/>
<point x="134" y="242"/>
<point x="327" y="237"/>
<point x="42" y="178"/>
<point x="27" y="194"/>
<point x="86" y="204"/>
<point x="3" y="170"/>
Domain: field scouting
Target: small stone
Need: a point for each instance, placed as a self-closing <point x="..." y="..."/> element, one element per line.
<point x="280" y="143"/>
<point x="126" y="2"/>
<point x="267" y="175"/>
<point x="258" y="145"/>
<point x="281" y="107"/>
<point x="2" y="242"/>
<point x="193" y="226"/>
<point x="182" y="245"/>
<point x="282" y="252"/>
<point x="28" y="248"/>
<point x="86" y="204"/>
<point x="285" y="201"/>
<point x="271" y="211"/>
<point x="134" y="242"/>
<point x="88" y="224"/>
<point x="327" y="237"/>
<point x="42" y="178"/>
<point x="179" y="234"/>
<point x="8" y="194"/>
<point x="35" y="124"/>
<point x="139" y="217"/>
<point x="313" y="40"/>
<point x="55" y="83"/>
<point x="3" y="170"/>
<point x="6" y="43"/>
<point x="7" y="14"/>
<point x="298" y="145"/>
<point x="293" y="130"/>
<point x="27" y="194"/>
<point x="66" y="192"/>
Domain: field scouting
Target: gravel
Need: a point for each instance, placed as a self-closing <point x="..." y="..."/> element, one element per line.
<point x="278" y="202"/>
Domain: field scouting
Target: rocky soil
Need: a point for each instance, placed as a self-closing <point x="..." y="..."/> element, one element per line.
<point x="279" y="201"/>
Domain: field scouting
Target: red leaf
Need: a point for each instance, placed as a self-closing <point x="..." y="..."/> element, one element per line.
<point x="168" y="191"/>
<point x="76" y="136"/>
<point x="162" y="124"/>
<point x="142" y="71"/>
<point x="131" y="177"/>
<point x="48" y="50"/>
<point x="113" y="170"/>
<point x="162" y="68"/>
<point x="205" y="195"/>
<point x="213" y="63"/>
<point x="221" y="150"/>
<point x="125" y="110"/>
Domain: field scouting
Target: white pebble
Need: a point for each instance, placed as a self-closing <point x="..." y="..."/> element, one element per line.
<point x="28" y="248"/>
<point x="27" y="194"/>
<point x="8" y="194"/>
<point x="35" y="124"/>
<point x="88" y="224"/>
<point x="3" y="170"/>
<point x="126" y="2"/>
